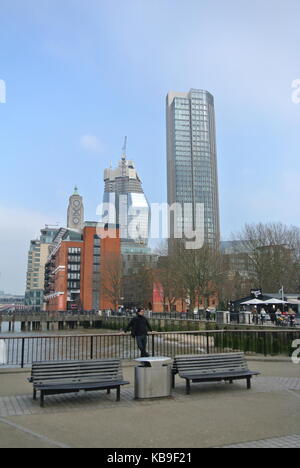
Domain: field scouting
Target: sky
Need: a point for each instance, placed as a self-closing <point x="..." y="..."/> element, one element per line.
<point x="80" y="76"/>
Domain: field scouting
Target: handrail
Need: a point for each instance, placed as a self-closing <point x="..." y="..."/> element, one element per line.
<point x="187" y="332"/>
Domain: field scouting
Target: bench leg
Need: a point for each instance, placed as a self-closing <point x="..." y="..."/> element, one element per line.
<point x="108" y="391"/>
<point x="118" y="393"/>
<point x="34" y="394"/>
<point x="188" y="387"/>
<point x="231" y="381"/>
<point x="42" y="398"/>
<point x="173" y="380"/>
<point x="248" y="383"/>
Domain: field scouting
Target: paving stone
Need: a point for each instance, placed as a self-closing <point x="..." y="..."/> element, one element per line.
<point x="24" y="404"/>
<point x="91" y="401"/>
<point x="291" y="441"/>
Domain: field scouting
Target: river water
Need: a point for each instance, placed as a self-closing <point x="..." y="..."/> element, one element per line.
<point x="17" y="332"/>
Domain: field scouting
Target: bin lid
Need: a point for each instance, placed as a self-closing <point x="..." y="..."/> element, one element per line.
<point x="155" y="361"/>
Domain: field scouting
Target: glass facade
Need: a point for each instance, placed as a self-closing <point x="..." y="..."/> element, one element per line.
<point x="192" y="159"/>
<point x="125" y="203"/>
<point x="48" y="235"/>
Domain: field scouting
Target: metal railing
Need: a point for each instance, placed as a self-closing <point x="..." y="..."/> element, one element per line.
<point x="94" y="313"/>
<point x="201" y="315"/>
<point x="22" y="351"/>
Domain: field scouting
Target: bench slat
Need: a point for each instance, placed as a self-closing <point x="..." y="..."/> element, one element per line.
<point x="103" y="384"/>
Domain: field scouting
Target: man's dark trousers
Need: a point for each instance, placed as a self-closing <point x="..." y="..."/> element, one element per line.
<point x="142" y="344"/>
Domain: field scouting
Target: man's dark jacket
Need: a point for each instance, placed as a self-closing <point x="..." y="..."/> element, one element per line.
<point x="139" y="326"/>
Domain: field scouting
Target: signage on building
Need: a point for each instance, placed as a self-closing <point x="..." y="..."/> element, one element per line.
<point x="256" y="292"/>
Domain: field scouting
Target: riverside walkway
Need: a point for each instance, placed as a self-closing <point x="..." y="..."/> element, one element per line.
<point x="214" y="415"/>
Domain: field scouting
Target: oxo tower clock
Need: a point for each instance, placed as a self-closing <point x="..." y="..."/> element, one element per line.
<point x="75" y="211"/>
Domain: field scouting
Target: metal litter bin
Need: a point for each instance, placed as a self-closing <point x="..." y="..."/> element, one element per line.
<point x="153" y="377"/>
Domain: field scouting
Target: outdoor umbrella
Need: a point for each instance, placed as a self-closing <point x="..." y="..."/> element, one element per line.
<point x="275" y="301"/>
<point x="253" y="302"/>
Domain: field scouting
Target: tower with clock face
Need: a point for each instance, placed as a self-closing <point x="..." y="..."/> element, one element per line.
<point x="75" y="211"/>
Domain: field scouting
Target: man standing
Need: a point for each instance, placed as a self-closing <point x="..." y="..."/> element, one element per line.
<point x="263" y="315"/>
<point x="139" y="327"/>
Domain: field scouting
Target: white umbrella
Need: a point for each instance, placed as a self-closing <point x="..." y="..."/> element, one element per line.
<point x="294" y="301"/>
<point x="275" y="301"/>
<point x="253" y="301"/>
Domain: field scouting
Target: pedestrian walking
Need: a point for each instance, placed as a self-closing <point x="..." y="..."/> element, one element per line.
<point x="208" y="315"/>
<point x="255" y="316"/>
<point x="263" y="316"/>
<point x="139" y="327"/>
<point x="292" y="320"/>
<point x="278" y="316"/>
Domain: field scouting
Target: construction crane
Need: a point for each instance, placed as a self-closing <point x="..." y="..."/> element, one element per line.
<point x="124" y="149"/>
<point x="124" y="164"/>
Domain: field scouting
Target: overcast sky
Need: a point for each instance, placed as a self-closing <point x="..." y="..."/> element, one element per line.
<point x="82" y="75"/>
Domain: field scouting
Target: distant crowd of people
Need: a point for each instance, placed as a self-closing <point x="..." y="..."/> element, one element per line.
<point x="277" y="317"/>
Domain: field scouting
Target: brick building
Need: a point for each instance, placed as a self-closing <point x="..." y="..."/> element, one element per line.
<point x="77" y="268"/>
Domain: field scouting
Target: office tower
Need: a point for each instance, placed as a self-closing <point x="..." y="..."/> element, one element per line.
<point x="75" y="211"/>
<point x="192" y="160"/>
<point x="37" y="258"/>
<point x="125" y="203"/>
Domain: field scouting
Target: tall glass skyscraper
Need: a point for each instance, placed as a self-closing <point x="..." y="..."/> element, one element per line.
<point x="125" y="204"/>
<point x="192" y="158"/>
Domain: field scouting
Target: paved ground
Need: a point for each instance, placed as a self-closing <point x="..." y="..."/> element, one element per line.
<point x="214" y="415"/>
<point x="292" y="441"/>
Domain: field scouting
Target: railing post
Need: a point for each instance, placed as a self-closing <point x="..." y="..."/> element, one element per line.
<point x="207" y="343"/>
<point x="265" y="344"/>
<point x="22" y="353"/>
<point x="92" y="348"/>
<point x="153" y="344"/>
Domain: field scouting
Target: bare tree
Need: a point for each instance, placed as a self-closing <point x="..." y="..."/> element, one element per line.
<point x="200" y="272"/>
<point x="112" y="282"/>
<point x="234" y="286"/>
<point x="167" y="275"/>
<point x="138" y="287"/>
<point x="273" y="251"/>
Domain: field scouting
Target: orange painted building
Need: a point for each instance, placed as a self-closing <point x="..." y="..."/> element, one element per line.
<point x="77" y="268"/>
<point x="180" y="305"/>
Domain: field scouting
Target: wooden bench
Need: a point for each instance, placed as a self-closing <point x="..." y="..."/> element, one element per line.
<point x="212" y="368"/>
<point x="57" y="377"/>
